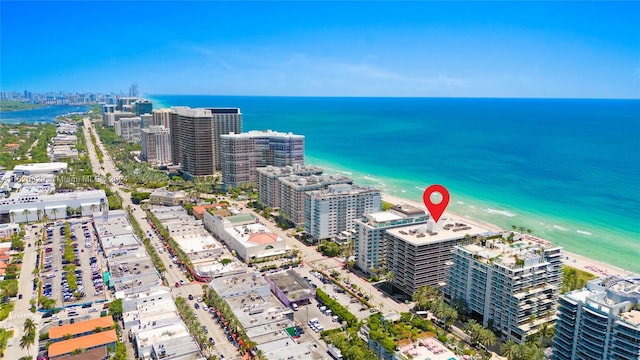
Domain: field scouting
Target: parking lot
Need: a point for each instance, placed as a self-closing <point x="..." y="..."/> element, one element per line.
<point x="71" y="272"/>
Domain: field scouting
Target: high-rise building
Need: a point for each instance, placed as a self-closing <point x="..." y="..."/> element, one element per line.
<point x="143" y="107"/>
<point x="243" y="153"/>
<point x="156" y="146"/>
<point x="293" y="193"/>
<point x="513" y="286"/>
<point x="269" y="183"/>
<point x="162" y="117"/>
<point x="601" y="321"/>
<point x="133" y="90"/>
<point x="420" y="254"/>
<point x="335" y="209"/>
<point x="125" y="103"/>
<point x="128" y="128"/>
<point x="195" y="137"/>
<point x="370" y="241"/>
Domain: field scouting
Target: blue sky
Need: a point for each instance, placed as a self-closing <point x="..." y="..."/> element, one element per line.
<point x="478" y="49"/>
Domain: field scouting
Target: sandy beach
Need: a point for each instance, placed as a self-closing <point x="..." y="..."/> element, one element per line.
<point x="592" y="266"/>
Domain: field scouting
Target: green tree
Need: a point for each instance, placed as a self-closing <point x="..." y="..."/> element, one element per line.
<point x="115" y="308"/>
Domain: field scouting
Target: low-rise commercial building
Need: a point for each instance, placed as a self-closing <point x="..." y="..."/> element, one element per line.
<point x="32" y="207"/>
<point x="245" y="235"/>
<point x="167" y="198"/>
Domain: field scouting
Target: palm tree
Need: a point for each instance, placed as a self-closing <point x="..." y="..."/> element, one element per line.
<point x="13" y="216"/>
<point x="27" y="340"/>
<point x="55" y="213"/>
<point x="39" y="212"/>
<point x="29" y="326"/>
<point x="26" y="213"/>
<point x="507" y="349"/>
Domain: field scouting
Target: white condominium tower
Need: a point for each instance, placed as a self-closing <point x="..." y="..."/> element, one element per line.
<point x="335" y="209"/>
<point x="370" y="240"/>
<point x="512" y="285"/>
<point x="601" y="321"/>
<point x="243" y="153"/>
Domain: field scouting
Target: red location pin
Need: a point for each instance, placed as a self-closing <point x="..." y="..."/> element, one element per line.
<point x="436" y="210"/>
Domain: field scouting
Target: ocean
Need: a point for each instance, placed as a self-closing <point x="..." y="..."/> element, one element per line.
<point x="568" y="169"/>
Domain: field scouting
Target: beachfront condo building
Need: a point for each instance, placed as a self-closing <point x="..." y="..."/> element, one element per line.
<point x="370" y="239"/>
<point x="601" y="321"/>
<point x="330" y="211"/>
<point x="294" y="191"/>
<point x="162" y="117"/>
<point x="195" y="137"/>
<point x="128" y="128"/>
<point x="243" y="153"/>
<point x="156" y="145"/>
<point x="512" y="285"/>
<point x="269" y="181"/>
<point x="420" y="254"/>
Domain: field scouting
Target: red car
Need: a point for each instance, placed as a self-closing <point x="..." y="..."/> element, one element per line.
<point x="177" y="284"/>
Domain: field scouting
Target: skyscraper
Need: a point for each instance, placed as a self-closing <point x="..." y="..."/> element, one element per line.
<point x="156" y="148"/>
<point x="601" y="321"/>
<point x="133" y="90"/>
<point x="243" y="153"/>
<point x="195" y="137"/>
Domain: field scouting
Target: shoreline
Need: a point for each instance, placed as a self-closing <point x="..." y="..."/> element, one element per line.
<point x="580" y="262"/>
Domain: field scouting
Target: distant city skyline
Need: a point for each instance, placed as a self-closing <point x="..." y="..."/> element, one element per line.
<point x="421" y="49"/>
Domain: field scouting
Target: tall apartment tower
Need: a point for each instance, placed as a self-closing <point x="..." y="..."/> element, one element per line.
<point x="601" y="321"/>
<point x="195" y="137"/>
<point x="156" y="145"/>
<point x="370" y="240"/>
<point x="515" y="286"/>
<point x="335" y="209"/>
<point x="294" y="192"/>
<point x="269" y="181"/>
<point x="243" y="153"/>
<point x="162" y="117"/>
<point x="133" y="90"/>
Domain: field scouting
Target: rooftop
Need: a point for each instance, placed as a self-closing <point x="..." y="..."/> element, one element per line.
<point x="291" y="284"/>
<point x="263" y="133"/>
<point x="444" y="230"/>
<point x="503" y="252"/>
<point x="80" y="327"/>
<point x="83" y="342"/>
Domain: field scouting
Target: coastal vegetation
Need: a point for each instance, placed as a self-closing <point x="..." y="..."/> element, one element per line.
<point x="573" y="279"/>
<point x="15" y="105"/>
<point x="22" y="144"/>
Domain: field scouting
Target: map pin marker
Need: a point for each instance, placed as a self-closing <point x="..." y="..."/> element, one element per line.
<point x="436" y="210"/>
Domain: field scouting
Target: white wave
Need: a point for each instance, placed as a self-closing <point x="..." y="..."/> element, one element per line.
<point x="500" y="212"/>
<point x="460" y="202"/>
<point x="366" y="177"/>
<point x="472" y="206"/>
<point x="561" y="228"/>
<point x="404" y="191"/>
<point x="344" y="172"/>
<point x="584" y="232"/>
<point x="419" y="188"/>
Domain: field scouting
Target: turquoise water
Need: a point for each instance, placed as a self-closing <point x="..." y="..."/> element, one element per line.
<point x="44" y="114"/>
<point x="567" y="169"/>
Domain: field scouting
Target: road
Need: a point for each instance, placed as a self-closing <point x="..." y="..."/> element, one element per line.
<point x="21" y="306"/>
<point x="173" y="274"/>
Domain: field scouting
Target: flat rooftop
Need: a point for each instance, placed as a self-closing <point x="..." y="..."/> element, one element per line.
<point x="291" y="284"/>
<point x="506" y="253"/>
<point x="383" y="216"/>
<point x="444" y="230"/>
